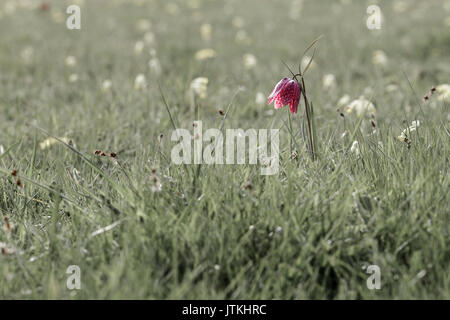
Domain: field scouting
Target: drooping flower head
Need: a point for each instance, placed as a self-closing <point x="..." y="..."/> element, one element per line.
<point x="286" y="92"/>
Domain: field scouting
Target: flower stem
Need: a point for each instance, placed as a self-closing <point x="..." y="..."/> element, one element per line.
<point x="311" y="146"/>
<point x="290" y="129"/>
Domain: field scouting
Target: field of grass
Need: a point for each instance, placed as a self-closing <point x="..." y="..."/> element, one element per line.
<point x="141" y="227"/>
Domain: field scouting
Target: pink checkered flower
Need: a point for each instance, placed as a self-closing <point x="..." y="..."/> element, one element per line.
<point x="286" y="92"/>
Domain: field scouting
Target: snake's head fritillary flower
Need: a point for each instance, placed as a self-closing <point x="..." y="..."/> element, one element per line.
<point x="286" y="92"/>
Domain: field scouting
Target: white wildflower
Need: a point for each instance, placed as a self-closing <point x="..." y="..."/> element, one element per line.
<point x="71" y="61"/>
<point x="443" y="91"/>
<point x="143" y="25"/>
<point x="139" y="47"/>
<point x="405" y="133"/>
<point x="379" y="58"/>
<point x="328" y="82"/>
<point x="199" y="86"/>
<point x="260" y="98"/>
<point x="73" y="78"/>
<point x="205" y="54"/>
<point x="155" y="66"/>
<point x="106" y="85"/>
<point x="205" y="31"/>
<point x="355" y="148"/>
<point x="343" y="101"/>
<point x="361" y="106"/>
<point x="140" y="82"/>
<point x="250" y="61"/>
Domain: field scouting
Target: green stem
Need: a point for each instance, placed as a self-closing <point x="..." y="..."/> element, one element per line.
<point x="308" y="119"/>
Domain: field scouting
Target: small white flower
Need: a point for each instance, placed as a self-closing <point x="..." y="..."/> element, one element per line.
<point x="443" y="91"/>
<point x="149" y="38"/>
<point x="328" y="82"/>
<point x="242" y="37"/>
<point x="205" y="31"/>
<point x="361" y="106"/>
<point x="260" y="98"/>
<point x="237" y="22"/>
<point x="405" y="133"/>
<point x="73" y="78"/>
<point x="155" y="66"/>
<point x="205" y="54"/>
<point x="379" y="58"/>
<point x="343" y="101"/>
<point x="139" y="47"/>
<point x="2" y="150"/>
<point x="355" y="148"/>
<point x="70" y="61"/>
<point x="199" y="86"/>
<point x="106" y="85"/>
<point x="143" y="25"/>
<point x="140" y="82"/>
<point x="250" y="61"/>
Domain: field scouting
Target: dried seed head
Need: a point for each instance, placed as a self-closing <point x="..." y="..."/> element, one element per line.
<point x="221" y="113"/>
<point x="7" y="224"/>
<point x="14" y="173"/>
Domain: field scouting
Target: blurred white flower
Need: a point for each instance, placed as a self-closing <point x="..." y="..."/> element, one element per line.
<point x="2" y="150"/>
<point x="205" y="54"/>
<point x="328" y="82"/>
<point x="140" y="82"/>
<point x="392" y="88"/>
<point x="343" y="101"/>
<point x="155" y="66"/>
<point x="139" y="47"/>
<point x="237" y="22"/>
<point x="242" y="37"/>
<point x="47" y="143"/>
<point x="172" y="9"/>
<point x="73" y="78"/>
<point x="199" y="86"/>
<point x="443" y="91"/>
<point x="70" y="61"/>
<point x="355" y="148"/>
<point x="149" y="38"/>
<point x="260" y="98"/>
<point x="205" y="31"/>
<point x="250" y="60"/>
<point x="405" y="133"/>
<point x="106" y="85"/>
<point x="361" y="106"/>
<point x="379" y="58"/>
<point x="143" y="25"/>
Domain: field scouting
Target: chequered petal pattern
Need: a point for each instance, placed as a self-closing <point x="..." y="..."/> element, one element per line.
<point x="286" y="92"/>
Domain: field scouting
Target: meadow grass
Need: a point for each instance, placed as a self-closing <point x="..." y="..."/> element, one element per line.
<point x="221" y="231"/>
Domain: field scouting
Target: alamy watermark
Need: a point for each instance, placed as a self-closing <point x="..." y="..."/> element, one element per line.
<point x="73" y="22"/>
<point x="374" y="281"/>
<point x="190" y="148"/>
<point x="74" y="279"/>
<point x="375" y="18"/>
